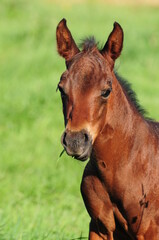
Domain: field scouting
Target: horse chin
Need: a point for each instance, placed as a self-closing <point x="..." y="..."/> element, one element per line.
<point x="82" y="158"/>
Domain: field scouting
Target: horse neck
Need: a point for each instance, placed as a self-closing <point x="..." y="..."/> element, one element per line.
<point x="121" y="122"/>
<point x="121" y="112"/>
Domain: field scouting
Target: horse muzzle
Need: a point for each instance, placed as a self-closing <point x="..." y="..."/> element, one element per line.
<point x="77" y="144"/>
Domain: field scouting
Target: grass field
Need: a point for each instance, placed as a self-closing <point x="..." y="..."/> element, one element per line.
<point x="39" y="193"/>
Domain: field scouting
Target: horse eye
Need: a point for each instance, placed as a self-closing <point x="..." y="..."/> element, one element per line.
<point x="105" y="93"/>
<point x="63" y="94"/>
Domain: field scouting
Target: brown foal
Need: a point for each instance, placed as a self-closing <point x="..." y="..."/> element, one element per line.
<point x="120" y="185"/>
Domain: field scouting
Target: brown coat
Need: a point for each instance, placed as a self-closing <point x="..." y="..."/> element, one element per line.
<point x="120" y="185"/>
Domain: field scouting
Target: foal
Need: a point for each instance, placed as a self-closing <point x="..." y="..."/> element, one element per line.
<point x="120" y="185"/>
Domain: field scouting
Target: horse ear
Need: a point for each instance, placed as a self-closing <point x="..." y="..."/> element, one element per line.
<point x="114" y="44"/>
<point x="66" y="45"/>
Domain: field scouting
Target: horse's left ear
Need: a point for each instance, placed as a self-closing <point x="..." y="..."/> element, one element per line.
<point x="113" y="47"/>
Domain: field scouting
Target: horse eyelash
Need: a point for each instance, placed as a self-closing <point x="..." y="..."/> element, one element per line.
<point x="60" y="89"/>
<point x="57" y="88"/>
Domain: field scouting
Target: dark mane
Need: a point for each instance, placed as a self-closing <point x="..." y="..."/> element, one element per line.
<point x="88" y="43"/>
<point x="132" y="96"/>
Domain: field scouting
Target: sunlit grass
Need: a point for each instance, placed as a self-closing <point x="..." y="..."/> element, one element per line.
<point x="39" y="194"/>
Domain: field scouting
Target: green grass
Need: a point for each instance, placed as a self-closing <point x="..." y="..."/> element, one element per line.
<point x="39" y="194"/>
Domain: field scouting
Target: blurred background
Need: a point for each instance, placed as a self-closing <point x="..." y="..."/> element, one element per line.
<point x="40" y="192"/>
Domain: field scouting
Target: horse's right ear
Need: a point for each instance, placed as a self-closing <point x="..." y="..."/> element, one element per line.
<point x="114" y="44"/>
<point x="66" y="45"/>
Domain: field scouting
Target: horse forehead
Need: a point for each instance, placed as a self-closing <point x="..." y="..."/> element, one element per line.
<point x="88" y="69"/>
<point x="87" y="61"/>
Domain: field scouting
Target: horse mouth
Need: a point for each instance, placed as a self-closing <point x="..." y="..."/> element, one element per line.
<point x="81" y="157"/>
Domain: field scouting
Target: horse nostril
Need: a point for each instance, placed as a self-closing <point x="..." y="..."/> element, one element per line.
<point x="86" y="138"/>
<point x="64" y="139"/>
